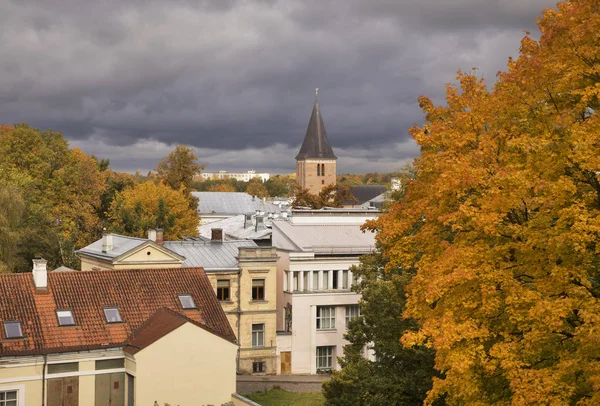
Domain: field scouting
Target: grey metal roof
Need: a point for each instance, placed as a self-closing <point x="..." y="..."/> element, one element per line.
<point x="364" y="193"/>
<point x="316" y="144"/>
<point x="328" y="238"/>
<point x="209" y="255"/>
<point x="233" y="227"/>
<point x="232" y="203"/>
<point x="121" y="245"/>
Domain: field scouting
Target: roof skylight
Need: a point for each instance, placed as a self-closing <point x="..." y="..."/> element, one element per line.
<point x="187" y="302"/>
<point x="65" y="318"/>
<point x="12" y="329"/>
<point x="112" y="315"/>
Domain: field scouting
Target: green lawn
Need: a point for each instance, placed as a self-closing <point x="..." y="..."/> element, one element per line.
<point x="278" y="397"/>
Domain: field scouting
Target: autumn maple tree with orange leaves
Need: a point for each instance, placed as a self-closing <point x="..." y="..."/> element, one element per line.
<point x="502" y="225"/>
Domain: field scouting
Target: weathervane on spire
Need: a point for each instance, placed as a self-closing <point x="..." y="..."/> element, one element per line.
<point x="316" y="91"/>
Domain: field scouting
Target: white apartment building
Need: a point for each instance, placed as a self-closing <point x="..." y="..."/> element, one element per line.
<point x="240" y="176"/>
<point x="316" y="248"/>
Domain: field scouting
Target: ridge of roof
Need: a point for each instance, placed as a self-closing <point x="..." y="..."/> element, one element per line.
<point x="161" y="323"/>
<point x="316" y="144"/>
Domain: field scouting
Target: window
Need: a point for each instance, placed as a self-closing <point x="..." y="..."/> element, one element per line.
<point x="258" y="335"/>
<point x="324" y="358"/>
<point x="323" y="170"/>
<point x="352" y="312"/>
<point x="335" y="281"/>
<point x="110" y="364"/>
<point x="295" y="280"/>
<point x="8" y="398"/>
<point x="112" y="315"/>
<point x="187" y="302"/>
<point x="223" y="290"/>
<point x="64" y="367"/>
<point x="318" y="169"/>
<point x="258" y="367"/>
<point x="315" y="285"/>
<point x="325" y="280"/>
<point x="65" y="318"/>
<point x="344" y="279"/>
<point x="12" y="329"/>
<point x="258" y="289"/>
<point x="325" y="317"/>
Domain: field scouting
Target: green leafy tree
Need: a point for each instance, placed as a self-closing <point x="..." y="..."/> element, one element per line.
<point x="61" y="188"/>
<point x="179" y="168"/>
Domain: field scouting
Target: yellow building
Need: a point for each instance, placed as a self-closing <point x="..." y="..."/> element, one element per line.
<point x="123" y="337"/>
<point x="242" y="274"/>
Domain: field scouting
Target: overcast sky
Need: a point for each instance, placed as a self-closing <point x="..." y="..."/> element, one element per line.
<point x="125" y="80"/>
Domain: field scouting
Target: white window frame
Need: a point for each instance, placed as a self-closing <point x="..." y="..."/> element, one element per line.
<point x="187" y="296"/>
<point x="65" y="311"/>
<point x="259" y="334"/>
<point x="325" y="318"/>
<point x="325" y="353"/>
<point x="349" y="313"/>
<point x="20" y="389"/>
<point x="118" y="314"/>
<point x="5" y="325"/>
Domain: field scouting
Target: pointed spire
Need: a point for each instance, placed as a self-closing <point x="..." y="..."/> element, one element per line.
<point x="316" y="144"/>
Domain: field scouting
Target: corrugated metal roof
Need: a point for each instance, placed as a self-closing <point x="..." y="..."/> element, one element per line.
<point x="328" y="238"/>
<point x="121" y="245"/>
<point x="233" y="227"/>
<point x="209" y="255"/>
<point x="232" y="203"/>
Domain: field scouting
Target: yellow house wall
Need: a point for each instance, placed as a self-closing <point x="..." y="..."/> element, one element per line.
<point x="22" y="378"/>
<point x="137" y="260"/>
<point x="189" y="366"/>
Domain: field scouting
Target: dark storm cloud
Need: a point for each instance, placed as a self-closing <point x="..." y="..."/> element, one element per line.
<point x="235" y="79"/>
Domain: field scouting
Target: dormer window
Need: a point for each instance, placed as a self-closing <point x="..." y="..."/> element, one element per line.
<point x="187" y="302"/>
<point x="12" y="329"/>
<point x="65" y="318"/>
<point x="112" y="315"/>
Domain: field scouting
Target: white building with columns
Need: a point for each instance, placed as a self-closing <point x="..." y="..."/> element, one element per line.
<point x="316" y="250"/>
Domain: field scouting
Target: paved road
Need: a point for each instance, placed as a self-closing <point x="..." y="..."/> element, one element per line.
<point x="292" y="383"/>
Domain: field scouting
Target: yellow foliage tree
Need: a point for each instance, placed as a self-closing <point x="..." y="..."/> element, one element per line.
<point x="153" y="205"/>
<point x="257" y="188"/>
<point x="222" y="187"/>
<point x="502" y="224"/>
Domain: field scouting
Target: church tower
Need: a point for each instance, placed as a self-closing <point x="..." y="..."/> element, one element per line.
<point x="316" y="162"/>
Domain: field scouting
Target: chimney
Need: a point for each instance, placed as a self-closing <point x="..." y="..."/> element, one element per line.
<point x="152" y="235"/>
<point x="40" y="273"/>
<point x="216" y="235"/>
<point x="260" y="223"/>
<point x="107" y="242"/>
<point x="248" y="220"/>
<point x="160" y="239"/>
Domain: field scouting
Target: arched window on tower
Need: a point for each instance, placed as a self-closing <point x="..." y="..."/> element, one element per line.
<point x="322" y="169"/>
<point x="318" y="169"/>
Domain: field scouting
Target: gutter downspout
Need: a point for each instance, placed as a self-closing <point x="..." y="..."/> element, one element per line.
<point x="239" y="318"/>
<point x="44" y="380"/>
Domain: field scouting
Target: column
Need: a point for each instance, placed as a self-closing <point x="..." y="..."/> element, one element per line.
<point x="340" y="277"/>
<point x="311" y="282"/>
<point x="301" y="281"/>
<point x="349" y="279"/>
<point x="291" y="281"/>
<point x="330" y="274"/>
<point x="320" y="281"/>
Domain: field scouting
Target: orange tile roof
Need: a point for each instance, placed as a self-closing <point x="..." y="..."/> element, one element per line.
<point x="138" y="294"/>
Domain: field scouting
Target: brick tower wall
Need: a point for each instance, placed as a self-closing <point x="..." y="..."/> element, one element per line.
<point x="308" y="177"/>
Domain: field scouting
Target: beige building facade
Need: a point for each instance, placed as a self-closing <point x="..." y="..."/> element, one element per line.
<point x="242" y="274"/>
